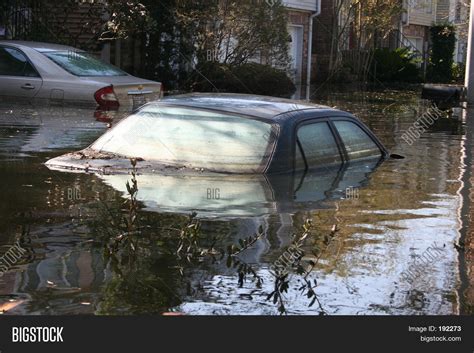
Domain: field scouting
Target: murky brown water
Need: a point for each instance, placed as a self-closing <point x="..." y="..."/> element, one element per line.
<point x="387" y="216"/>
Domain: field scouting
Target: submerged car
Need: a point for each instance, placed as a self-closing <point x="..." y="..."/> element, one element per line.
<point x="58" y="73"/>
<point x="232" y="196"/>
<point x="227" y="133"/>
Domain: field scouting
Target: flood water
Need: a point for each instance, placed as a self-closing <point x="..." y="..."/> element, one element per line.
<point x="88" y="250"/>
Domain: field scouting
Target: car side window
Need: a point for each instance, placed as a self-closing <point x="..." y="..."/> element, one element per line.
<point x="299" y="160"/>
<point x="357" y="142"/>
<point x="318" y="144"/>
<point x="14" y="63"/>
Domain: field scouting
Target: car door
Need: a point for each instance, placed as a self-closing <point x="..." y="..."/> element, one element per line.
<point x="18" y="77"/>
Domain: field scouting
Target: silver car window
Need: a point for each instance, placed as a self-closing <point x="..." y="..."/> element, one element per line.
<point x="193" y="138"/>
<point x="83" y="64"/>
<point x="14" y="63"/>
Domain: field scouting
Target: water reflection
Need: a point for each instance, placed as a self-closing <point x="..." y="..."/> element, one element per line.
<point x="386" y="217"/>
<point x="234" y="196"/>
<point x="26" y="129"/>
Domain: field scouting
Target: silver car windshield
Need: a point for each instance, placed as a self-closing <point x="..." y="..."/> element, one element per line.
<point x="193" y="138"/>
<point x="83" y="64"/>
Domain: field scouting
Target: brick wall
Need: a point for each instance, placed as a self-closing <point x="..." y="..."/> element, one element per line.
<point x="416" y="31"/>
<point x="64" y="23"/>
<point x="322" y="36"/>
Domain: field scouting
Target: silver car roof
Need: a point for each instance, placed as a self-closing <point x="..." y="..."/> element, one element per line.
<point x="38" y="46"/>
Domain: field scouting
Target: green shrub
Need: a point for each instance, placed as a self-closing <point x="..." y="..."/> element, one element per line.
<point x="246" y="78"/>
<point x="459" y="71"/>
<point x="399" y="65"/>
<point x="443" y="39"/>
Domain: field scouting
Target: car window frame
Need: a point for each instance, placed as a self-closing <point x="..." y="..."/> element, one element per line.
<point x="297" y="142"/>
<point x="340" y="143"/>
<point x="364" y="128"/>
<point x="27" y="59"/>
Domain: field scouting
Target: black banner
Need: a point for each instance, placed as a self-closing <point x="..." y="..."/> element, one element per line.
<point x="326" y="334"/>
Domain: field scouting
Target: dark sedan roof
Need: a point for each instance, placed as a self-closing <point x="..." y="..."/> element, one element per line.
<point x="245" y="104"/>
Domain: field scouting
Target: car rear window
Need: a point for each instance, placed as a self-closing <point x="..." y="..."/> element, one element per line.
<point x="193" y="138"/>
<point x="83" y="64"/>
<point x="358" y="144"/>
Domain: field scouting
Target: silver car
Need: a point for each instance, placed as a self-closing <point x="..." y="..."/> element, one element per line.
<point x="44" y="71"/>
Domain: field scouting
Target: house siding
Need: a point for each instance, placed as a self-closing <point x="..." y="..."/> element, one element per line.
<point x="422" y="19"/>
<point x="306" y="5"/>
<point x="442" y="11"/>
<point x="422" y="12"/>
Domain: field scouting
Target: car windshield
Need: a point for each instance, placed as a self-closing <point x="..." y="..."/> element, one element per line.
<point x="83" y="64"/>
<point x="193" y="138"/>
